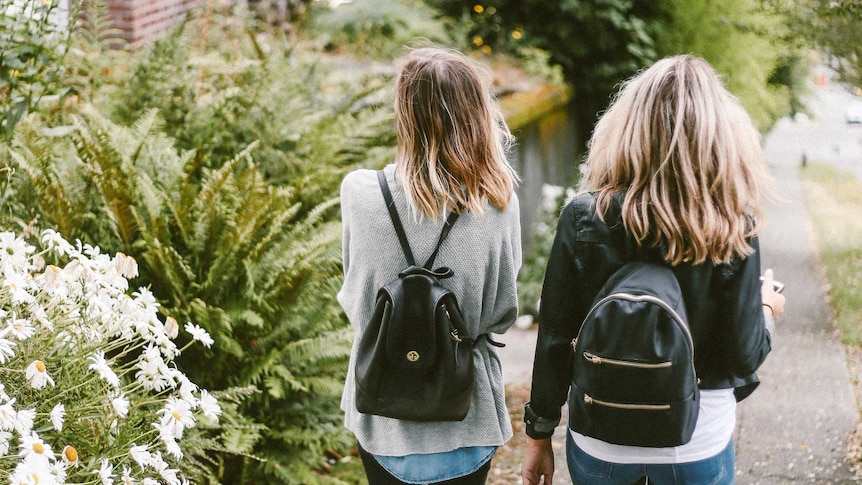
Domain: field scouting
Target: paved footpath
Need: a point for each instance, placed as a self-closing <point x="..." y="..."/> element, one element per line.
<point x="795" y="427"/>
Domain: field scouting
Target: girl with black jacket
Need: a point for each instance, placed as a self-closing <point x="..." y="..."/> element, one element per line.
<point x="675" y="173"/>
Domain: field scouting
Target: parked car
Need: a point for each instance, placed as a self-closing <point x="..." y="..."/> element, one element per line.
<point x="853" y="113"/>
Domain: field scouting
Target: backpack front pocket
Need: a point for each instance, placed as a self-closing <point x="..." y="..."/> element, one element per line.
<point x="597" y="359"/>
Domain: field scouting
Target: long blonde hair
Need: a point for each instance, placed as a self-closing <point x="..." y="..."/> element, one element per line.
<point x="687" y="157"/>
<point x="452" y="139"/>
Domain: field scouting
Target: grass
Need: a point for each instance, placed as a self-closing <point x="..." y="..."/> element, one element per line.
<point x="834" y="200"/>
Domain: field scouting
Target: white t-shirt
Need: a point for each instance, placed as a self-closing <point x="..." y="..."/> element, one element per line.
<point x="714" y="429"/>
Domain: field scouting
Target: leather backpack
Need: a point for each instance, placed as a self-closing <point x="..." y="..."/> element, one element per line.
<point x="633" y="380"/>
<point x="415" y="361"/>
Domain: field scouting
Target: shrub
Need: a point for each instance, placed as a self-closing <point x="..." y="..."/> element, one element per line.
<point x="87" y="383"/>
<point x="311" y="125"/>
<point x="223" y="248"/>
<point x="34" y="35"/>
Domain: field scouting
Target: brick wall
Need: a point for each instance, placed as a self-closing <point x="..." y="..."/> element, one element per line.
<point x="143" y="20"/>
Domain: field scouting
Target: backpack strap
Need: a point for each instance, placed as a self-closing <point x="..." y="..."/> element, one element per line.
<point x="453" y="216"/>
<point x="399" y="228"/>
<point x="396" y="221"/>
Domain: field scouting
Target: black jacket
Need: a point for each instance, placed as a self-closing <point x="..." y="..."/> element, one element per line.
<point x="723" y="303"/>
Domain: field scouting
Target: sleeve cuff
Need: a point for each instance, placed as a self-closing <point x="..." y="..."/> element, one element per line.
<point x="770" y="324"/>
<point x="538" y="427"/>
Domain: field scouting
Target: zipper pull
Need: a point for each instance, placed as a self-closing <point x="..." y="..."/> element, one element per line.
<point x="595" y="359"/>
<point x="588" y="399"/>
<point x="574" y="342"/>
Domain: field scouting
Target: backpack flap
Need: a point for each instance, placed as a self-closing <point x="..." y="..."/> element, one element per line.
<point x="412" y="339"/>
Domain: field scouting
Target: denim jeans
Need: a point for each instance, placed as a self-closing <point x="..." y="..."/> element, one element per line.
<point x="587" y="470"/>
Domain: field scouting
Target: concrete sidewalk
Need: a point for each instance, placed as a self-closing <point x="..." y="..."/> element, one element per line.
<point x="795" y="427"/>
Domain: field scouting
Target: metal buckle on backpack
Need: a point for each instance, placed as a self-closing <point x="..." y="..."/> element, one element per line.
<point x="455" y="336"/>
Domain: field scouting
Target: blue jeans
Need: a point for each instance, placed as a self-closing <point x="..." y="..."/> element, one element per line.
<point x="587" y="470"/>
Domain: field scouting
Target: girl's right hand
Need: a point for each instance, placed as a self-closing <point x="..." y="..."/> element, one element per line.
<point x="538" y="467"/>
<point x="773" y="303"/>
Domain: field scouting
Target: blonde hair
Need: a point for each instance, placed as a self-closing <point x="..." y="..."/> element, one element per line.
<point x="687" y="157"/>
<point x="452" y="139"/>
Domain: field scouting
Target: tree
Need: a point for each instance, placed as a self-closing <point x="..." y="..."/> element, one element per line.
<point x="746" y="42"/>
<point x="597" y="42"/>
<point x="838" y="28"/>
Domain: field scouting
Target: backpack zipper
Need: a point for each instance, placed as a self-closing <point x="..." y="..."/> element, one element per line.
<point x="595" y="359"/>
<point x="652" y="299"/>
<point x="643" y="407"/>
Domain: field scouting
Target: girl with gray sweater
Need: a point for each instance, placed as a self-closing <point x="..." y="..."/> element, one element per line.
<point x="451" y="154"/>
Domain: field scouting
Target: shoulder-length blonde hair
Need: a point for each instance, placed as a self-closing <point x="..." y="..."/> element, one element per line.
<point x="452" y="139"/>
<point x="687" y="157"/>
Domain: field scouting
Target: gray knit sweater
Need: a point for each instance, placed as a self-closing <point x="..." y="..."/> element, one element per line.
<point x="484" y="251"/>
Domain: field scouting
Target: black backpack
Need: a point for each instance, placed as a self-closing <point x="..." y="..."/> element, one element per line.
<point x="634" y="381"/>
<point x="415" y="361"/>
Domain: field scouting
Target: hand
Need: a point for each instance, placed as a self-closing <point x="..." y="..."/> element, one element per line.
<point x="538" y="463"/>
<point x="775" y="301"/>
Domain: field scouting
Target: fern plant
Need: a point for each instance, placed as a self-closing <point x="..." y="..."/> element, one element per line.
<point x="222" y="247"/>
<point x="312" y="124"/>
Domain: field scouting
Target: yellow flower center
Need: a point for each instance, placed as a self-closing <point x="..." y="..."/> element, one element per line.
<point x="40" y="366"/>
<point x="176" y="415"/>
<point x="70" y="453"/>
<point x="39" y="448"/>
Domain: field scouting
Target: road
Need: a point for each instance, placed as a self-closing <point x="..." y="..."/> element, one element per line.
<point x="825" y="136"/>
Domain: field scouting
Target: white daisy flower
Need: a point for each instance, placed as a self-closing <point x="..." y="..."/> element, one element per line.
<point x="70" y="456"/>
<point x="169" y="475"/>
<point x="8" y="416"/>
<point x="100" y="365"/>
<point x="121" y="405"/>
<point x="58" y="469"/>
<point x="187" y="390"/>
<point x="172" y="328"/>
<point x="55" y="242"/>
<point x="37" y="374"/>
<point x="140" y="454"/>
<point x="126" y="265"/>
<point x="6" y="351"/>
<point x="31" y="447"/>
<point x="199" y="334"/>
<point x="58" y="414"/>
<point x="176" y="417"/>
<point x="171" y="445"/>
<point x="153" y="373"/>
<point x="33" y="472"/>
<point x="127" y="476"/>
<point x="18" y="286"/>
<point x="209" y="405"/>
<point x="52" y="277"/>
<point x="14" y="250"/>
<point x="106" y="472"/>
<point x="24" y="421"/>
<point x="20" y="329"/>
<point x="5" y="438"/>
